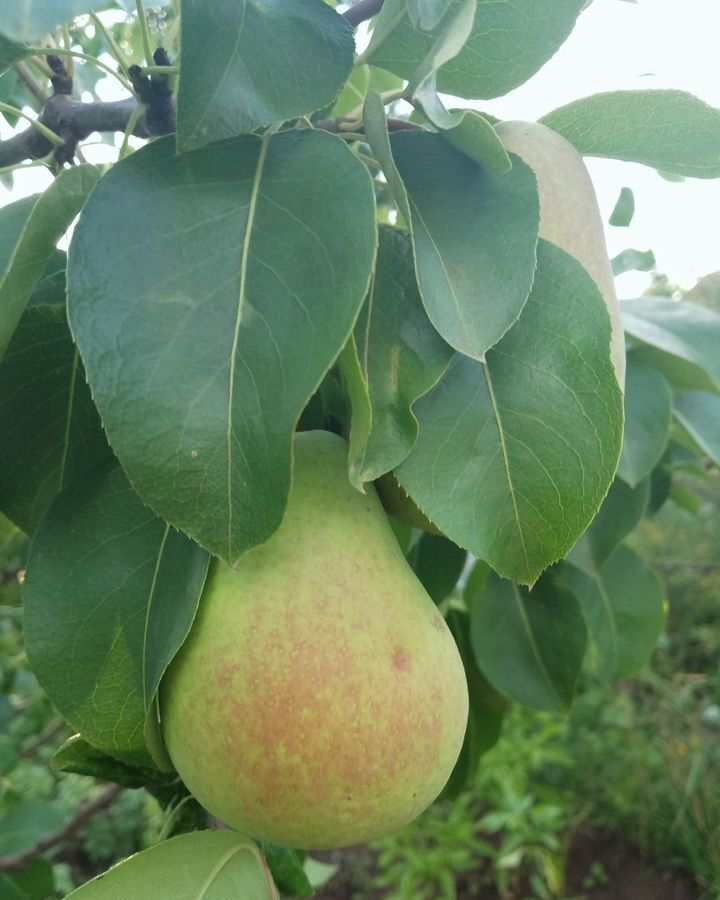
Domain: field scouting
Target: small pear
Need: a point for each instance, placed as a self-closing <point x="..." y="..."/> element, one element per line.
<point x="569" y="213"/>
<point x="320" y="699"/>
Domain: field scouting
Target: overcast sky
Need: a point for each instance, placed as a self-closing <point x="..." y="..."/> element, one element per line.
<point x="616" y="45"/>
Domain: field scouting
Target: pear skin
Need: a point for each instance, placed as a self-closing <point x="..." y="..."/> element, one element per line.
<point x="569" y="213"/>
<point x="320" y="700"/>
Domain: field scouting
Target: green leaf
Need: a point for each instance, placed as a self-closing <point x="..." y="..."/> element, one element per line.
<point x="623" y="604"/>
<point x="509" y="42"/>
<point x="400" y="357"/>
<point x="699" y="413"/>
<point x="684" y="330"/>
<point x="529" y="644"/>
<point x="130" y="586"/>
<point x="474" y="235"/>
<point x="212" y="865"/>
<point x="515" y="456"/>
<point x="10" y="52"/>
<point x="35" y="881"/>
<point x="668" y="130"/>
<point x="29" y="20"/>
<point x="286" y="867"/>
<point x="26" y="824"/>
<point x="29" y="230"/>
<point x="250" y="64"/>
<point x="486" y="710"/>
<point x="648" y="405"/>
<point x="633" y="261"/>
<point x="78" y="756"/>
<point x="50" y="432"/>
<point x="685" y="498"/>
<point x="450" y="40"/>
<point x="621" y="511"/>
<point x="265" y="248"/>
<point x="426" y="14"/>
<point x="375" y="125"/>
<point x="624" y="210"/>
<point x="466" y="130"/>
<point x="438" y="563"/>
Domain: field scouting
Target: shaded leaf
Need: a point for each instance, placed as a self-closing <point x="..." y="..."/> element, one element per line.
<point x="26" y="824"/>
<point x="624" y="209"/>
<point x="515" y="456"/>
<point x="246" y="65"/>
<point x="286" y="867"/>
<point x="450" y="39"/>
<point x="130" y="586"/>
<point x="487" y="708"/>
<point x="623" y="604"/>
<point x="29" y="20"/>
<point x="489" y="64"/>
<point x="50" y="432"/>
<point x="668" y="130"/>
<point x="35" y="881"/>
<point x="29" y="230"/>
<point x="10" y="52"/>
<point x="529" y="644"/>
<point x="474" y="236"/>
<point x="686" y="331"/>
<point x="212" y="865"/>
<point x="438" y="563"/>
<point x="78" y="756"/>
<point x="400" y="357"/>
<point x="354" y="92"/>
<point x="621" y="511"/>
<point x="648" y="405"/>
<point x="699" y="413"/>
<point x="239" y="244"/>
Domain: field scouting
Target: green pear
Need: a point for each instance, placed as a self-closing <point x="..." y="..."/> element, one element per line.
<point x="320" y="699"/>
<point x="569" y="213"/>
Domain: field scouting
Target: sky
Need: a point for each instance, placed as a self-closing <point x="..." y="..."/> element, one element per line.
<point x="616" y="45"/>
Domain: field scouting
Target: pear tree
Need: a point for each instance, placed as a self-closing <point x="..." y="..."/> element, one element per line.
<point x="328" y="428"/>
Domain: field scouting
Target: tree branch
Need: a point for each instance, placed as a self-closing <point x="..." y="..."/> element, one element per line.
<point x="362" y="11"/>
<point x="74" y="120"/>
<point x="83" y="815"/>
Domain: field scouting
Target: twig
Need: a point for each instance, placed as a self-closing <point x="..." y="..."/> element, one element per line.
<point x="144" y="31"/>
<point x="36" y="89"/>
<point x="83" y="815"/>
<point x="362" y="11"/>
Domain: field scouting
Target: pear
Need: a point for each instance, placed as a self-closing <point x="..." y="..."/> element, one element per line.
<point x="569" y="213"/>
<point x="320" y="699"/>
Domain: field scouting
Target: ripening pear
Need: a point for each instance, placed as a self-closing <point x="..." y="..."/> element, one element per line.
<point x="320" y="699"/>
<point x="569" y="213"/>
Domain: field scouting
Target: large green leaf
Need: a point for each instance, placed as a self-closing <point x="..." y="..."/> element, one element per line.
<point x="400" y="356"/>
<point x="204" y="865"/>
<point x="647" y="421"/>
<point x="426" y="14"/>
<point x="247" y="64"/>
<point x="529" y="644"/>
<point x="205" y="332"/>
<point x="623" y="604"/>
<point x="29" y="230"/>
<point x="621" y="511"/>
<point x="50" y="432"/>
<point x="509" y="42"/>
<point x="25" y="824"/>
<point x="485" y="714"/>
<point x="474" y="235"/>
<point x="449" y="41"/>
<point x="514" y="456"/>
<point x="688" y="332"/>
<point x="130" y="586"/>
<point x="670" y="130"/>
<point x="699" y="413"/>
